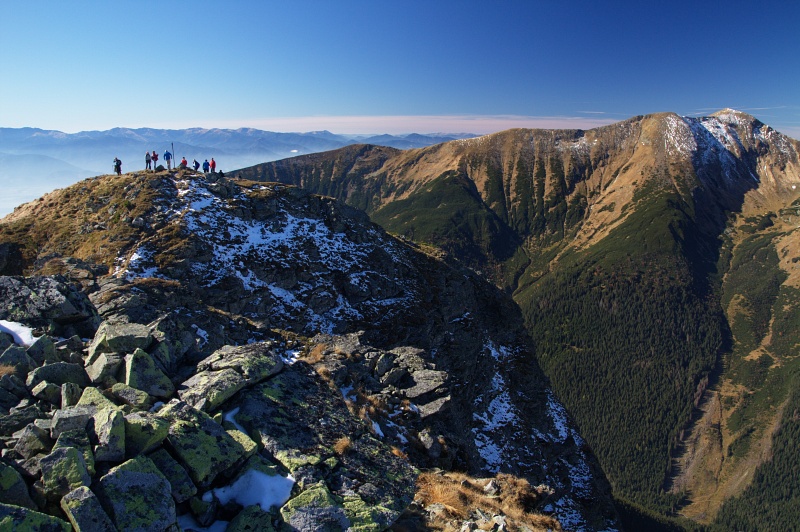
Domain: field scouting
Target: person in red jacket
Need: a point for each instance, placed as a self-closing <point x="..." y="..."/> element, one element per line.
<point x="184" y="164"/>
<point x="213" y="165"/>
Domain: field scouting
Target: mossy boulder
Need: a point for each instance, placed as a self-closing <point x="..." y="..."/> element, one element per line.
<point x="91" y="396"/>
<point x="131" y="396"/>
<point x="137" y="496"/>
<point x="207" y="390"/>
<point x="316" y="508"/>
<point x="58" y="373"/>
<point x="119" y="338"/>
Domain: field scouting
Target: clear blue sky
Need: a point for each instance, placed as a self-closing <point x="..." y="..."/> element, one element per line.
<point x="390" y="66"/>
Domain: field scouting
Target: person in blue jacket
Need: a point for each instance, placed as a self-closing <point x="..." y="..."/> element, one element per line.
<point x="206" y="166"/>
<point x="168" y="158"/>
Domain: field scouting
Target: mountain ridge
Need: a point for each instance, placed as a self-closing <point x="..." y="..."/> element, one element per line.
<point x="631" y="219"/>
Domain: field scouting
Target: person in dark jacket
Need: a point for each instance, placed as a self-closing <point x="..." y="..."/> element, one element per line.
<point x="205" y="166"/>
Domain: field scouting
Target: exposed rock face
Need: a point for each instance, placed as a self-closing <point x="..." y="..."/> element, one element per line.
<point x="209" y="310"/>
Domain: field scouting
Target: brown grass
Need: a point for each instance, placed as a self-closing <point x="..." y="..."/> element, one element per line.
<point x="5" y="369"/>
<point x="342" y="445"/>
<point x="461" y="494"/>
<point x="317" y="354"/>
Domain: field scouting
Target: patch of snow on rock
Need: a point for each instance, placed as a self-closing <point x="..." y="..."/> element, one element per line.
<point x="23" y="336"/>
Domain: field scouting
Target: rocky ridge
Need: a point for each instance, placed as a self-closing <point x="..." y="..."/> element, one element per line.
<point x="290" y="339"/>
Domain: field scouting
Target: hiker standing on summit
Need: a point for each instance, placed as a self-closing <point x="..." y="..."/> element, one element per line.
<point x="168" y="158"/>
<point x="154" y="158"/>
<point x="213" y="165"/>
<point x="147" y="160"/>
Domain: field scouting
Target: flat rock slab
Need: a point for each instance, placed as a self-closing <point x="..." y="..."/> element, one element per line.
<point x="85" y="512"/>
<point x="18" y="518"/>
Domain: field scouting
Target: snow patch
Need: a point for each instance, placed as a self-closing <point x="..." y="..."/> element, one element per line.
<point x="255" y="487"/>
<point x="23" y="336"/>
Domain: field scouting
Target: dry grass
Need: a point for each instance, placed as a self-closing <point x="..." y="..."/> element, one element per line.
<point x="461" y="495"/>
<point x="5" y="369"/>
<point x="316" y="355"/>
<point x="398" y="452"/>
<point x="342" y="445"/>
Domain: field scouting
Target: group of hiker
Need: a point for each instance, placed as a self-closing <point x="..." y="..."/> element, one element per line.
<point x="152" y="159"/>
<point x="151" y="162"/>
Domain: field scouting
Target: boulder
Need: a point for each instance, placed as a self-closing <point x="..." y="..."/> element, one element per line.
<point x="78" y="439"/>
<point x="228" y="370"/>
<point x="93" y="397"/>
<point x="108" y="430"/>
<point x="119" y="337"/>
<point x="32" y="440"/>
<point x="201" y="445"/>
<point x="141" y="373"/>
<point x="137" y="496"/>
<point x="144" y="431"/>
<point x="75" y="417"/>
<point x="131" y="396"/>
<point x="84" y="511"/>
<point x="13" y="489"/>
<point x="14" y="518"/>
<point x="425" y="381"/>
<point x="50" y="303"/>
<point x="47" y="391"/>
<point x="207" y="390"/>
<point x="13" y="384"/>
<point x="58" y="373"/>
<point x="19" y="417"/>
<point x="17" y="357"/>
<point x="43" y="351"/>
<point x="182" y="486"/>
<point x="315" y="509"/>
<point x="70" y="394"/>
<point x="251" y="519"/>
<point x="103" y="367"/>
<point x="63" y="470"/>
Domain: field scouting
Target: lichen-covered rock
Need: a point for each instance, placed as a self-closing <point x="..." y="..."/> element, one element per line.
<point x="70" y="394"/>
<point x="79" y="440"/>
<point x="43" y="351"/>
<point x="17" y="357"/>
<point x="207" y="390"/>
<point x="249" y="447"/>
<point x="315" y="509"/>
<point x="85" y="512"/>
<point x="131" y="396"/>
<point x="252" y="519"/>
<point x="202" y="446"/>
<point x="32" y="440"/>
<point x="63" y="470"/>
<point x="182" y="486"/>
<point x="103" y="367"/>
<point x="119" y="337"/>
<point x="58" y="373"/>
<point x="141" y="373"/>
<point x="228" y="370"/>
<point x="13" y="489"/>
<point x="15" y="518"/>
<point x="108" y="430"/>
<point x="47" y="391"/>
<point x="75" y="417"/>
<point x="144" y="431"/>
<point x="47" y="303"/>
<point x="137" y="496"/>
<point x="93" y="397"/>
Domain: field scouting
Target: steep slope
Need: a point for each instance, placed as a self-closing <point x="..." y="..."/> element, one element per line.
<point x="614" y="244"/>
<point x="436" y="360"/>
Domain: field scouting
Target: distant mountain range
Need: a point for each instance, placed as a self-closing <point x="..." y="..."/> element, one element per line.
<point x="47" y="159"/>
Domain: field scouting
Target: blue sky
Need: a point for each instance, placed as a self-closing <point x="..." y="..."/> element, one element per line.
<point x="393" y="67"/>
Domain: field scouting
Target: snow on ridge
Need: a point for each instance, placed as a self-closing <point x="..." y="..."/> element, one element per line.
<point x="498" y="414"/>
<point x="678" y="138"/>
